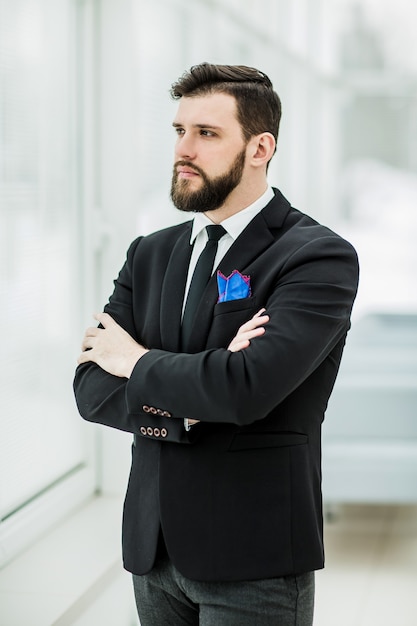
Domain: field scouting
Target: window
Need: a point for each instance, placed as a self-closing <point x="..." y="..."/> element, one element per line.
<point x="42" y="445"/>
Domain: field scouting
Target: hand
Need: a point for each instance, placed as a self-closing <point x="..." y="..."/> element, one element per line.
<point x="249" y="330"/>
<point x="110" y="347"/>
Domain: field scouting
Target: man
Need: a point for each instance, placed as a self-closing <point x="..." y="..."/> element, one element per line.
<point x="222" y="519"/>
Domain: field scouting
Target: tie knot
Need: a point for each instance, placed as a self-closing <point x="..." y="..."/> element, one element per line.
<point x="215" y="232"/>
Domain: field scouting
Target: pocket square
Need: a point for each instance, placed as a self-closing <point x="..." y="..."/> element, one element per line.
<point x="233" y="287"/>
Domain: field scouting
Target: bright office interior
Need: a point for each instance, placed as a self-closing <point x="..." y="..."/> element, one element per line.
<point x="85" y="163"/>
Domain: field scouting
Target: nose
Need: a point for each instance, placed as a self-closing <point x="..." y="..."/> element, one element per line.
<point x="185" y="149"/>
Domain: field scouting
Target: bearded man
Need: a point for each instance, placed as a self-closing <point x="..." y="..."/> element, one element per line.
<point x="218" y="350"/>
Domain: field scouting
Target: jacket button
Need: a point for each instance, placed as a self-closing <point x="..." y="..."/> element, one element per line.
<point x="159" y="411"/>
<point x="143" y="430"/>
<point x="152" y="410"/>
<point x="164" y="432"/>
<point x="156" y="432"/>
<point x="166" y="414"/>
<point x="146" y="408"/>
<point x="149" y="430"/>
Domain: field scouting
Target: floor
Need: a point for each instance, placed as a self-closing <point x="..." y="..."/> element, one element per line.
<point x="370" y="577"/>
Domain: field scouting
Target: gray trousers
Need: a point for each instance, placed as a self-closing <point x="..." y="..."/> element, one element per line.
<point x="166" y="598"/>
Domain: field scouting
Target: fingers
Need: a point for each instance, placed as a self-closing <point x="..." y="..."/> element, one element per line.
<point x="105" y="319"/>
<point x="89" y="336"/>
<point x="255" y="327"/>
<point x="87" y="343"/>
<point x="236" y="345"/>
<point x="243" y="339"/>
<point x="92" y="332"/>
<point x="87" y="351"/>
<point x="255" y="322"/>
<point x="85" y="356"/>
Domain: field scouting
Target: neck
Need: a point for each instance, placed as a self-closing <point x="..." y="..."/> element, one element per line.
<point x="240" y="198"/>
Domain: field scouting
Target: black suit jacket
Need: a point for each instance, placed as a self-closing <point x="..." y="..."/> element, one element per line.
<point x="239" y="495"/>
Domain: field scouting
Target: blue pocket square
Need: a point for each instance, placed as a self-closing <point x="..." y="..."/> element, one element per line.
<point x="233" y="287"/>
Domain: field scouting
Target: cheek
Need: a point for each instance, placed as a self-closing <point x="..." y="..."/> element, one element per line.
<point x="217" y="163"/>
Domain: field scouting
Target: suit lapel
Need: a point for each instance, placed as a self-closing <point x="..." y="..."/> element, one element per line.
<point x="257" y="236"/>
<point x="173" y="291"/>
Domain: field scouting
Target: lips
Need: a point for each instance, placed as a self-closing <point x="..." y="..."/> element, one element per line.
<point x="186" y="172"/>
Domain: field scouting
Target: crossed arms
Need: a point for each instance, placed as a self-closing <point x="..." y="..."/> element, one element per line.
<point x="308" y="317"/>
<point x="117" y="353"/>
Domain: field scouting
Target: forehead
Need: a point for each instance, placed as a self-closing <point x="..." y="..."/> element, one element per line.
<point x="217" y="109"/>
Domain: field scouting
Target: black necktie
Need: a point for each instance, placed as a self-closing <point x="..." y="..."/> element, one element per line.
<point x="201" y="276"/>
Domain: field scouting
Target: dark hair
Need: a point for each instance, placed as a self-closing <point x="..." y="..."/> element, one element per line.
<point x="258" y="105"/>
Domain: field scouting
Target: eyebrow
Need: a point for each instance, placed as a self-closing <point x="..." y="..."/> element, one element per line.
<point x="213" y="126"/>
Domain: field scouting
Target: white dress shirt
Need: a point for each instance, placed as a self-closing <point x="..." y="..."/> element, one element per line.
<point x="234" y="225"/>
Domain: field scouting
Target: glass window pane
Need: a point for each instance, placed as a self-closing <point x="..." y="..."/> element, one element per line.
<point x="41" y="438"/>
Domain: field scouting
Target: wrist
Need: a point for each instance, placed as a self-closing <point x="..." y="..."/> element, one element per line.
<point x="133" y="360"/>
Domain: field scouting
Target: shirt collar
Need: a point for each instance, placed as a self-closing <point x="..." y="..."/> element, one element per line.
<point x="235" y="224"/>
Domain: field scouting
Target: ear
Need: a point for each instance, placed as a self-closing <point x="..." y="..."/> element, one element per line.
<point x="261" y="149"/>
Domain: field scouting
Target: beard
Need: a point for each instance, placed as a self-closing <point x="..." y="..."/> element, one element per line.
<point x="213" y="192"/>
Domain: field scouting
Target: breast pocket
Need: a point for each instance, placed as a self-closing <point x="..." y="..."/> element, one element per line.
<point x="228" y="317"/>
<point x="242" y="304"/>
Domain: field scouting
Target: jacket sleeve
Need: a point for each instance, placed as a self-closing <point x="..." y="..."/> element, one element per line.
<point x="102" y="397"/>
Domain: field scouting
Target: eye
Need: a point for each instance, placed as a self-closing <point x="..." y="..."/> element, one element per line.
<point x="207" y="133"/>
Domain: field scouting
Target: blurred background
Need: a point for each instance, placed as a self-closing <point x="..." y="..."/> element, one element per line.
<point x="86" y="150"/>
